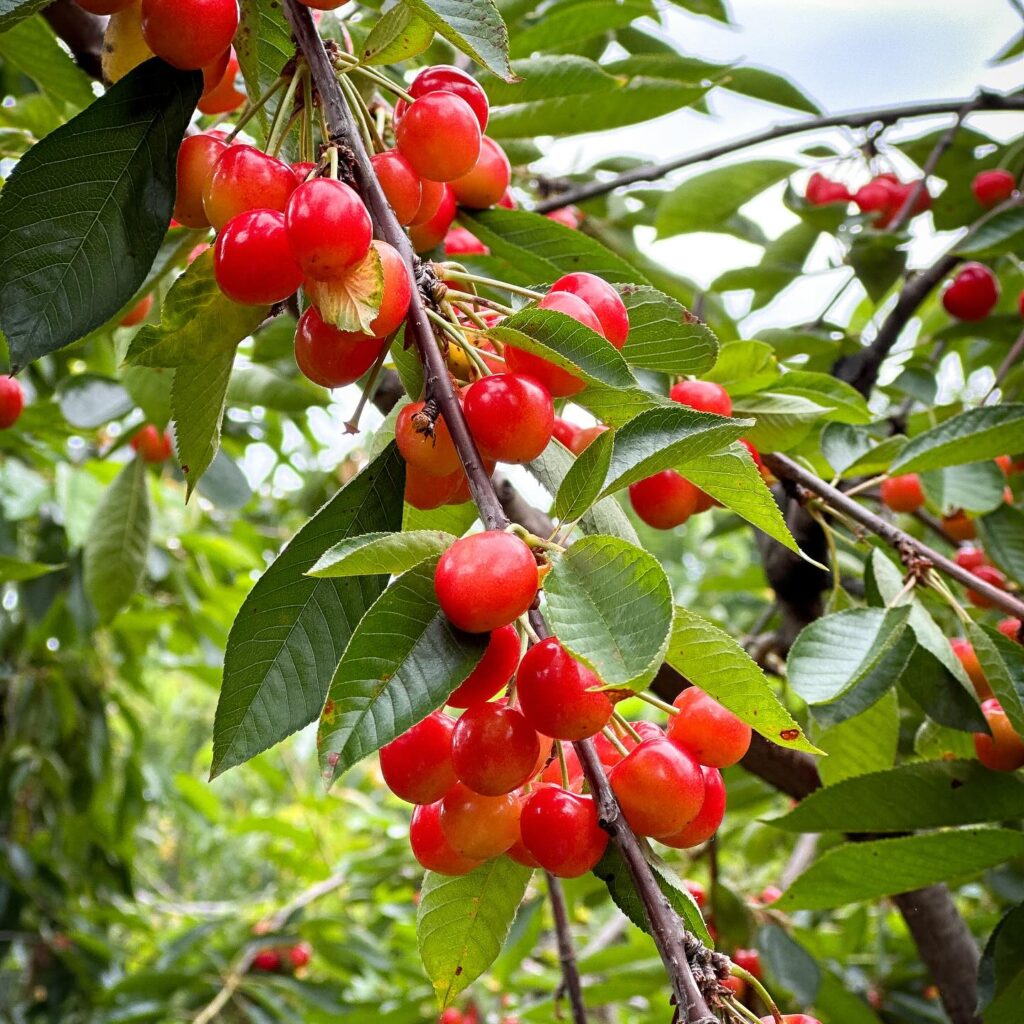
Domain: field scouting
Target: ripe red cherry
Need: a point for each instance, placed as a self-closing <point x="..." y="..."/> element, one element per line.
<point x="493" y="671"/>
<point x="991" y="575"/>
<point x="196" y="159"/>
<point x="329" y="228"/>
<point x="1003" y="751"/>
<point x="451" y="1016"/>
<point x="712" y="733"/>
<point x="223" y="96"/>
<point x="586" y="436"/>
<point x="972" y="294"/>
<point x="330" y="357"/>
<point x="494" y="749"/>
<point x="561" y="830"/>
<point x="521" y="855"/>
<point x="880" y="196"/>
<point x="440" y="136"/>
<point x="152" y="445"/>
<point x="252" y="261"/>
<point x="487" y="182"/>
<point x="756" y="456"/>
<point x="462" y="242"/>
<point x="821" y="191"/>
<point x="603" y="299"/>
<point x="267" y="960"/>
<point x="991" y="188"/>
<point x="565" y="432"/>
<point x="485" y="581"/>
<point x="903" y="493"/>
<point x="552" y="687"/>
<point x="702" y="395"/>
<point x="244" y="179"/>
<point x="749" y="960"/>
<point x="793" y="1018"/>
<point x="960" y="526"/>
<point x="696" y="890"/>
<point x="709" y="817"/>
<point x="446" y="78"/>
<point x="401" y="184"/>
<point x="12" y="402"/>
<point x="480" y="826"/>
<point x="431" y="847"/>
<point x="300" y="955"/>
<point x="302" y="170"/>
<point x="659" y="787"/>
<point x="138" y="312"/>
<point x="426" y="492"/>
<point x="430" y="233"/>
<point x="968" y="658"/>
<point x="189" y="33"/>
<point x="432" y="195"/>
<point x="511" y="417"/>
<point x="434" y="454"/>
<point x="417" y="766"/>
<point x="568" y="216"/>
<point x="664" y="500"/>
<point x="970" y="558"/>
<point x="1010" y="628"/>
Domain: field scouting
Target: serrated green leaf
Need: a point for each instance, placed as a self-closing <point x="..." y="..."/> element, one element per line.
<point x="781" y="421"/>
<point x="17" y="570"/>
<point x="982" y="433"/>
<point x="88" y="400"/>
<point x="1002" y="533"/>
<point x="398" y="36"/>
<point x="788" y="964"/>
<point x="260" y="385"/>
<point x="1002" y="661"/>
<point x="864" y="743"/>
<point x="1001" y="971"/>
<point x="571" y="25"/>
<point x="472" y="26"/>
<point x="13" y="11"/>
<point x="547" y="75"/>
<point x="664" y="336"/>
<point x="850" y="449"/>
<point x="582" y="485"/>
<point x="32" y="48"/>
<point x="263" y="44"/>
<point x="462" y="922"/>
<point x="975" y="487"/>
<point x="846" y="403"/>
<point x="287" y="638"/>
<point x="1001" y="234"/>
<point x="374" y="553"/>
<point x="878" y="260"/>
<point x="744" y="367"/>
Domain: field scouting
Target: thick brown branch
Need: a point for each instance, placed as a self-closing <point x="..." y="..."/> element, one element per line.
<point x="81" y="31"/>
<point x="566" y="950"/>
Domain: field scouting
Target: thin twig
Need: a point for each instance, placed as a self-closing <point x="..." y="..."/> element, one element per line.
<point x="1013" y="357"/>
<point x="566" y="950"/>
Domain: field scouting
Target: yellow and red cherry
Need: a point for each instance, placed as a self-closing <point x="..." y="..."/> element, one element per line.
<point x="223" y="96"/>
<point x="431" y="847"/>
<point x="709" y="817"/>
<point x="400" y="183"/>
<point x="480" y="826"/>
<point x="446" y="78"/>
<point x="713" y="734"/>
<point x="968" y="658"/>
<point x="329" y="227"/>
<point x="487" y="182"/>
<point x="430" y="233"/>
<point x="189" y="33"/>
<point x="245" y="178"/>
<point x="433" y="452"/>
<point x="138" y="313"/>
<point x="903" y="493"/>
<point x="702" y="395"/>
<point x="333" y="358"/>
<point x="197" y="158"/>
<point x="153" y="445"/>
<point x="440" y="136"/>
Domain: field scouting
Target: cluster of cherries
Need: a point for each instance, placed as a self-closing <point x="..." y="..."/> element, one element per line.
<point x="882" y="197"/>
<point x="276" y="960"/>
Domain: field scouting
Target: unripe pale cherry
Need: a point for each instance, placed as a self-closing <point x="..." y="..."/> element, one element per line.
<point x="972" y="294"/>
<point x="560" y="829"/>
<point x="431" y="847"/>
<point x="510" y="416"/>
<point x="664" y="500"/>
<point x="333" y="358"/>
<point x="494" y="749"/>
<point x="568" y="216"/>
<point x="447" y="78"/>
<point x="417" y="766"/>
<point x="252" y="261"/>
<point x="903" y="493"/>
<point x="197" y="158"/>
<point x="991" y="188"/>
<point x="709" y="817"/>
<point x="702" y="395"/>
<point x="432" y="452"/>
<point x="189" y="34"/>
<point x="603" y="299"/>
<point x="154" y="446"/>
<point x="487" y="182"/>
<point x="224" y="95"/>
<point x="440" y="136"/>
<point x="430" y="233"/>
<point x="485" y="581"/>
<point x="968" y="658"/>
<point x="244" y="178"/>
<point x="400" y="184"/>
<point x="713" y="734"/>
<point x="1003" y="750"/>
<point x="493" y="671"/>
<point x="480" y="826"/>
<point x="12" y="402"/>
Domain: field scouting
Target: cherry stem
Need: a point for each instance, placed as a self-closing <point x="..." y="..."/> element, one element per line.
<point x="282" y="116"/>
<point x="254" y="108"/>
<point x="447" y="273"/>
<point x="657" y="702"/>
<point x="614" y="740"/>
<point x="479" y="300"/>
<point x="352" y="63"/>
<point x="566" y="950"/>
<point x="562" y="764"/>
<point x="627" y="727"/>
<point x="741" y="1011"/>
<point x="740" y="972"/>
<point x="352" y="427"/>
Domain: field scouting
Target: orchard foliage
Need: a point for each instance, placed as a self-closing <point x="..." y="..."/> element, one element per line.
<point x="257" y="466"/>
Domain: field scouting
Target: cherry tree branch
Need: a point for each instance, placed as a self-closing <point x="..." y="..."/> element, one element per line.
<point x="984" y="100"/>
<point x="566" y="950"/>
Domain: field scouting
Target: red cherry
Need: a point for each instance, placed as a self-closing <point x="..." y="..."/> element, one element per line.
<point x="397" y="291"/>
<point x="432" y="195"/>
<point x="970" y="558"/>
<point x="793" y="1018"/>
<point x="430" y="233"/>
<point x="417" y="766"/>
<point x="709" y="817"/>
<point x="972" y="294"/>
<point x="880" y="196"/>
<point x="702" y="395"/>
<point x="967" y="656"/>
<point x="451" y="1016"/>
<point x="189" y="33"/>
<point x="446" y="78"/>
<point x="329" y="228"/>
<point x="821" y="191"/>
<point x="440" y="136"/>
<point x="508" y="201"/>
<point x="431" y="847"/>
<point x="665" y="500"/>
<point x="755" y="455"/>
<point x="712" y="733"/>
<point x="424" y="491"/>
<point x="494" y="749"/>
<point x="769" y="894"/>
<point x="749" y="960"/>
<point x="991" y="188"/>
<point x="196" y="159"/>
<point x="252" y="261"/>
<point x="487" y="182"/>
<point x="461" y="242"/>
<point x="138" y="312"/>
<point x="480" y="826"/>
<point x="561" y="830"/>
<point x="521" y="855"/>
<point x="153" y="445"/>
<point x="511" y="417"/>
<point x="493" y="671"/>
<point x="1003" y="751"/>
<point x="245" y="179"/>
<point x="267" y="960"/>
<point x="568" y="216"/>
<point x="991" y="575"/>
<point x="485" y="581"/>
<point x="960" y="526"/>
<point x="603" y="299"/>
<point x="324" y="5"/>
<point x="330" y="357"/>
<point x="586" y="436"/>
<point x="696" y="890"/>
<point x="300" y="955"/>
<point x="903" y="493"/>
<point x="223" y="96"/>
<point x="565" y="432"/>
<point x="1011" y="629"/>
<point x="556" y="693"/>
<point x="432" y="453"/>
<point x="401" y="184"/>
<point x="12" y="402"/>
<point x="659" y="787"/>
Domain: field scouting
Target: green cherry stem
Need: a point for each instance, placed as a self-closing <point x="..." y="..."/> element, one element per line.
<point x="614" y="740"/>
<point x="561" y="764"/>
<point x="739" y="972"/>
<point x="657" y="702"/>
<point x="479" y="300"/>
<point x="283" y="115"/>
<point x="627" y="726"/>
<point x="447" y="273"/>
<point x="741" y="1012"/>
<point x="254" y="108"/>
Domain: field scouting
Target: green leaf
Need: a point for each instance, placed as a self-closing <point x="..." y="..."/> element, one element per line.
<point x="462" y="922"/>
<point x="402" y="662"/>
<point x="13" y="11"/>
<point x="975" y="486"/>
<point x="472" y="26"/>
<point x="848" y="447"/>
<point x="1001" y="234"/>
<point x="864" y="743"/>
<point x="788" y="964"/>
<point x="664" y="336"/>
<point x="1002" y="661"/>
<point x="782" y="421"/>
<point x="32" y="48"/>
<point x="770" y="87"/>
<point x="716" y="9"/>
<point x="263" y="44"/>
<point x="375" y="553"/>
<point x="17" y="570"/>
<point x="398" y="36"/>
<point x="288" y="636"/>
<point x="610" y="604"/>
<point x="878" y="261"/>
<point x="971" y="436"/>
<point x="744" y="367"/>
<point x="571" y="25"/>
<point x="547" y="76"/>
<point x="85" y="210"/>
<point x="846" y="403"/>
<point x="855" y="872"/>
<point x="711" y="659"/>
<point x="118" y="541"/>
<point x="781" y="264"/>
<point x="1002" y="533"/>
<point x="582" y="485"/>
<point x="260" y="385"/>
<point x="88" y="401"/>
<point x="709" y="201"/>
<point x="1001" y="971"/>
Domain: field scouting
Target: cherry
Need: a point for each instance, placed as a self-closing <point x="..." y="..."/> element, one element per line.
<point x="488" y="181"/>
<point x="737" y="986"/>
<point x="196" y="159"/>
<point x="329" y="357"/>
<point x="756" y="456"/>
<point x="417" y="766"/>
<point x="712" y="733"/>
<point x="138" y="313"/>
<point x="104" y="6"/>
<point x="329" y="228"/>
<point x="431" y="847"/>
<point x="480" y="826"/>
<point x="440" y="136"/>
<point x="430" y="233"/>
<point x="494" y="749"/>
<point x="302" y="170"/>
<point x="903" y="493"/>
<point x="493" y="671"/>
<point x="659" y="786"/>
<point x="556" y="693"/>
<point x="586" y="436"/>
<point x="568" y="216"/>
<point x="970" y="558"/>
<point x="991" y="188"/>
<point x="446" y="78"/>
<point x="426" y="492"/>
<point x="451" y="1016"/>
<point x="400" y="183"/>
<point x="972" y="294"/>
<point x="792" y="1018"/>
<point x="521" y="855"/>
<point x="821" y="191"/>
<point x="485" y="581"/>
<point x="1005" y="463"/>
<point x="603" y="299"/>
<point x="512" y="417"/>
<point x="664" y="500"/>
<point x="189" y="33"/>
<point x="152" y="445"/>
<point x="991" y="575"/>
<point x="251" y="259"/>
<point x="749" y="960"/>
<point x="222" y="96"/>
<point x="396" y="291"/>
<point x="267" y="961"/>
<point x="968" y="657"/>
<point x="1010" y="628"/>
<point x="323" y="5"/>
<point x="1003" y="751"/>
<point x="245" y="179"/>
<point x="702" y="395"/>
<point x="709" y="817"/>
<point x="880" y="196"/>
<point x="433" y="452"/>
<point x="300" y="955"/>
<point x="508" y="201"/>
<point x="697" y="891"/>
<point x="561" y="830"/>
<point x="565" y="432"/>
<point x="769" y="894"/>
<point x="12" y="402"/>
<point x="432" y="195"/>
<point x="960" y="526"/>
<point x="461" y="241"/>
